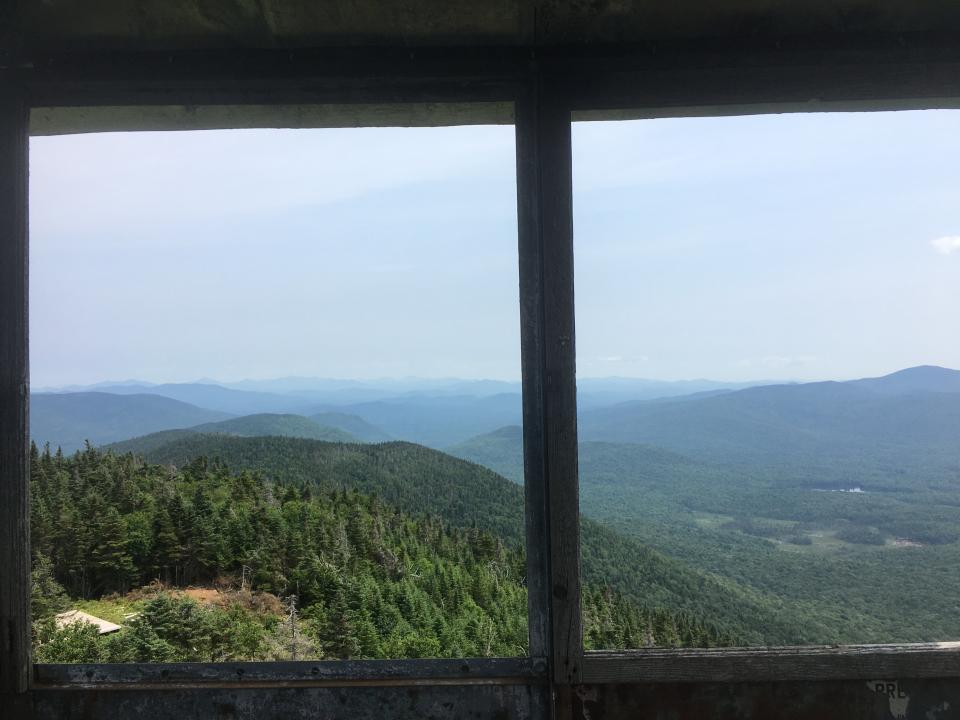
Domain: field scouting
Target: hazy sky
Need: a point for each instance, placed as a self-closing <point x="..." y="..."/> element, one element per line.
<point x="790" y="246"/>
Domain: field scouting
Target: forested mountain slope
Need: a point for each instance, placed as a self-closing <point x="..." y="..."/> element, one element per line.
<point x="286" y="425"/>
<point x="410" y="477"/>
<point x="264" y="424"/>
<point x="852" y="544"/>
<point x="147" y="443"/>
<point x="354" y="425"/>
<point x="600" y="462"/>
<point x="500" y="450"/>
<point x="368" y="580"/>
<point x="416" y="479"/>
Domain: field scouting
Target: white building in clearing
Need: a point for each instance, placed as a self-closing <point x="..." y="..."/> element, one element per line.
<point x="72" y="617"/>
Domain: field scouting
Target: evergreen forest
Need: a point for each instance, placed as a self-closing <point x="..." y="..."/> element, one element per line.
<point x="202" y="563"/>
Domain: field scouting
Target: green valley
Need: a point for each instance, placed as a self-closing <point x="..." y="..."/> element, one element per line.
<point x="863" y="545"/>
<point x="813" y="513"/>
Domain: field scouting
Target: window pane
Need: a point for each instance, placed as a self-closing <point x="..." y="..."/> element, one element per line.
<point x="253" y="355"/>
<point x="769" y="397"/>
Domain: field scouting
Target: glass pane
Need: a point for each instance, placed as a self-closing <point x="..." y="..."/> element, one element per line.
<point x="253" y="353"/>
<point x="769" y="396"/>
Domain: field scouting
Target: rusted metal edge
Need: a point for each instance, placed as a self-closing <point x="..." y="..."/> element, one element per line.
<point x="471" y="671"/>
<point x="843" y="662"/>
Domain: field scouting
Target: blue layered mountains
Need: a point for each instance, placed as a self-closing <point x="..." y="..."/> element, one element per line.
<point x="804" y="512"/>
<point x="908" y="414"/>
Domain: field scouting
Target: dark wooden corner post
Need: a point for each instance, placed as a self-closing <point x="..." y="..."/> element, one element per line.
<point x="15" y="665"/>
<point x="545" y="207"/>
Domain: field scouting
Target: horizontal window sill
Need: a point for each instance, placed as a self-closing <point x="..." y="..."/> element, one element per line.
<point x="769" y="664"/>
<point x="501" y="671"/>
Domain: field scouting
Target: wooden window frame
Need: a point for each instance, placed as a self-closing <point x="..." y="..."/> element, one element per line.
<point x="549" y="89"/>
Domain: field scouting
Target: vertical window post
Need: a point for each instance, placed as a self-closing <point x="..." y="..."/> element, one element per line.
<point x="15" y="663"/>
<point x="545" y="206"/>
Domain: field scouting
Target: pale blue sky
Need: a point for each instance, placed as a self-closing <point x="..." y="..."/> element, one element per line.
<point x="790" y="246"/>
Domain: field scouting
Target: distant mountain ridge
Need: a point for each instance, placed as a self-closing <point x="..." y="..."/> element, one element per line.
<point x="297" y="394"/>
<point x="908" y="417"/>
<point x="436" y="421"/>
<point x="923" y="378"/>
<point x="68" y="420"/>
<point x="262" y="425"/>
<point x="912" y="411"/>
<point x="275" y="424"/>
<point x="215" y="397"/>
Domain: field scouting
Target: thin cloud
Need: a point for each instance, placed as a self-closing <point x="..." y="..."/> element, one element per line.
<point x="946" y="245"/>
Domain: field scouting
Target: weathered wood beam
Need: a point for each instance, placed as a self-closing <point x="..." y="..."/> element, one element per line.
<point x="884" y="697"/>
<point x="532" y="353"/>
<point x="545" y="202"/>
<point x="14" y="399"/>
<point x="276" y="702"/>
<point x="245" y="77"/>
<point x="465" y="671"/>
<point x="846" y="72"/>
<point x="803" y="71"/>
<point x="921" y="660"/>
<point x="768" y="89"/>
